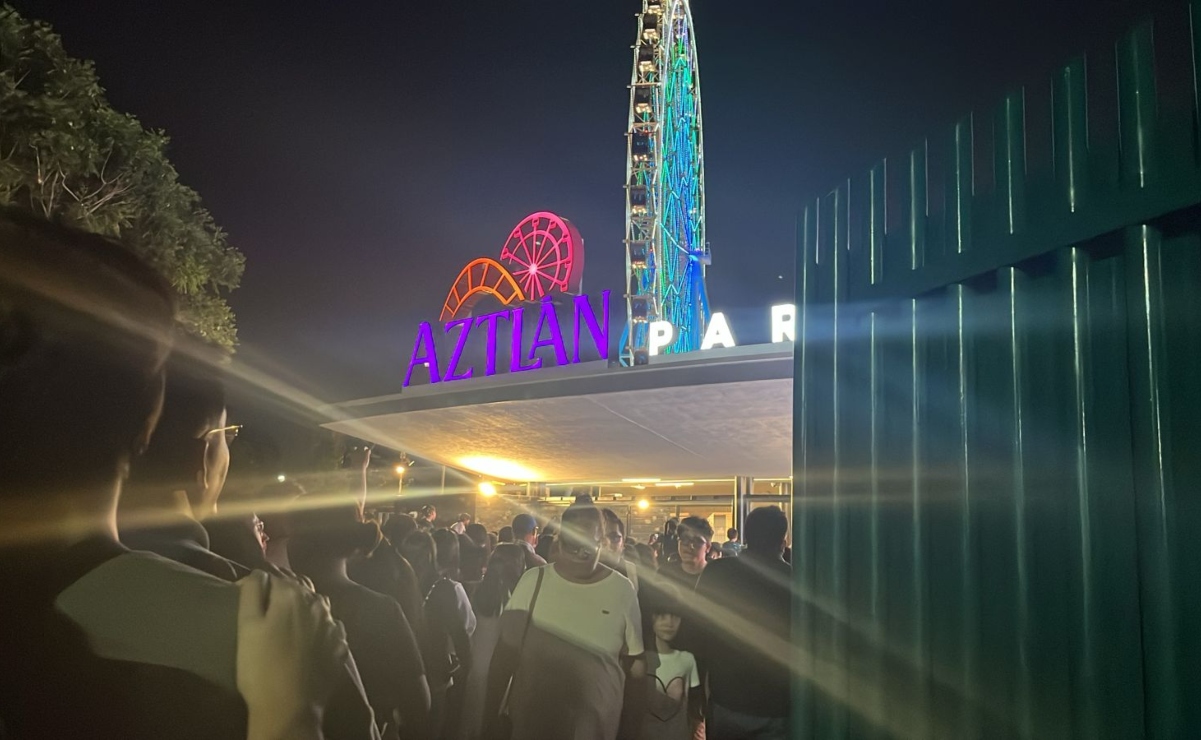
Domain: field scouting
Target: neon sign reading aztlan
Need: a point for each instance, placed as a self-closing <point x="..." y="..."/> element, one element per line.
<point x="548" y="334"/>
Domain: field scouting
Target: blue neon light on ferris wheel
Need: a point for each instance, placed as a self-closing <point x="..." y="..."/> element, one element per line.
<point x="666" y="251"/>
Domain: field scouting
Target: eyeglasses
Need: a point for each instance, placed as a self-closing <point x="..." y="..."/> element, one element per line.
<point x="693" y="541"/>
<point x="580" y="547"/>
<point x="231" y="432"/>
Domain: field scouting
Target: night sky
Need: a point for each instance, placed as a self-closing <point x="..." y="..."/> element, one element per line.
<point x="360" y="157"/>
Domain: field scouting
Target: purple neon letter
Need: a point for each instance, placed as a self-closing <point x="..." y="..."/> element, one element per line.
<point x="516" y="364"/>
<point x="464" y="329"/>
<point x="491" y="320"/>
<point x="582" y="308"/>
<point x="548" y="318"/>
<point x="429" y="357"/>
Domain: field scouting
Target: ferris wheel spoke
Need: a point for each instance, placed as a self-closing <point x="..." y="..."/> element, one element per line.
<point x="513" y="256"/>
<point x="524" y="247"/>
<point x="539" y="245"/>
<point x="531" y="248"/>
<point x="547" y="249"/>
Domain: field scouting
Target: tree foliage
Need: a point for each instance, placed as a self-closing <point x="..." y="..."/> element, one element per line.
<point x="66" y="155"/>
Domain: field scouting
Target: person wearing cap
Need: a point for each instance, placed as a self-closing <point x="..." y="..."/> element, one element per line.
<point x="525" y="534"/>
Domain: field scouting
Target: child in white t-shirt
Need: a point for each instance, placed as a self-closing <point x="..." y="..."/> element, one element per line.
<point x="672" y="677"/>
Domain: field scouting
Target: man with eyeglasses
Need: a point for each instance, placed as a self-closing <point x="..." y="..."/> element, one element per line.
<point x="694" y="538"/>
<point x="174" y="488"/>
<point x="100" y="641"/>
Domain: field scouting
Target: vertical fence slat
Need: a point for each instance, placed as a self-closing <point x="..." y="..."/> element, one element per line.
<point x="1014" y="283"/>
<point x="1084" y="583"/>
<point x="836" y="274"/>
<point x="876" y="624"/>
<point x="998" y="564"/>
<point x="942" y="513"/>
<point x="969" y="577"/>
<point x="917" y="555"/>
<point x="1152" y="484"/>
<point x="1070" y="137"/>
<point x="803" y="539"/>
<point x="1194" y="18"/>
<point x="1108" y="671"/>
<point x="827" y="607"/>
<point x="1136" y="106"/>
<point x="1181" y="274"/>
<point x="1010" y="168"/>
<point x="877" y="220"/>
<point x="917" y="208"/>
<point x="961" y="188"/>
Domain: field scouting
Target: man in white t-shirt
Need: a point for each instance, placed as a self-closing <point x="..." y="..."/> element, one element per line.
<point x="460" y="526"/>
<point x="569" y="634"/>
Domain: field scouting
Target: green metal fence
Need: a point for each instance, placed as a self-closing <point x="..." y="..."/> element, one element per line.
<point x="997" y="421"/>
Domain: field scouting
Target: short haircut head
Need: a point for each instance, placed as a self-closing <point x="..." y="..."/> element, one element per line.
<point x="419" y="549"/>
<point x="478" y="533"/>
<point x="273" y="506"/>
<point x="582" y="522"/>
<point x="765" y="529"/>
<point x="85" y="327"/>
<point x="524" y="525"/>
<point x="193" y="401"/>
<point x="646" y="553"/>
<point x="398" y="527"/>
<point x="446" y="545"/>
<point x="327" y="531"/>
<point x="613" y="522"/>
<point x="731" y="533"/>
<point x="698" y="524"/>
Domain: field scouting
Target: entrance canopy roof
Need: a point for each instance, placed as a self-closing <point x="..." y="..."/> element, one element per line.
<point x="711" y="414"/>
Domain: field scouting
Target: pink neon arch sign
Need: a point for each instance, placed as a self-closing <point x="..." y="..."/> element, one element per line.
<point x="544" y="254"/>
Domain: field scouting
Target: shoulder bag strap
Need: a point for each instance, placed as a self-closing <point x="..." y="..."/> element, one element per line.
<point x="533" y="602"/>
<point x="504" y="702"/>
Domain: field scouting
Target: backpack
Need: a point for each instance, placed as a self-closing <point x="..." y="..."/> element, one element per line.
<point x="442" y="664"/>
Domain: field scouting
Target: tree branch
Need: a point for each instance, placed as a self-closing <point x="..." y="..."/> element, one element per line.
<point x="113" y="193"/>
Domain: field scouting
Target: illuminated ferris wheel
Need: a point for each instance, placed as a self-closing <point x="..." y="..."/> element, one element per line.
<point x="666" y="251"/>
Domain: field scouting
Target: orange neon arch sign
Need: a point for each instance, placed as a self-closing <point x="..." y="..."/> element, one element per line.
<point x="481" y="277"/>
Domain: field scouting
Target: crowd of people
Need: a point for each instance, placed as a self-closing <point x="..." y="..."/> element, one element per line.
<point x="141" y="606"/>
